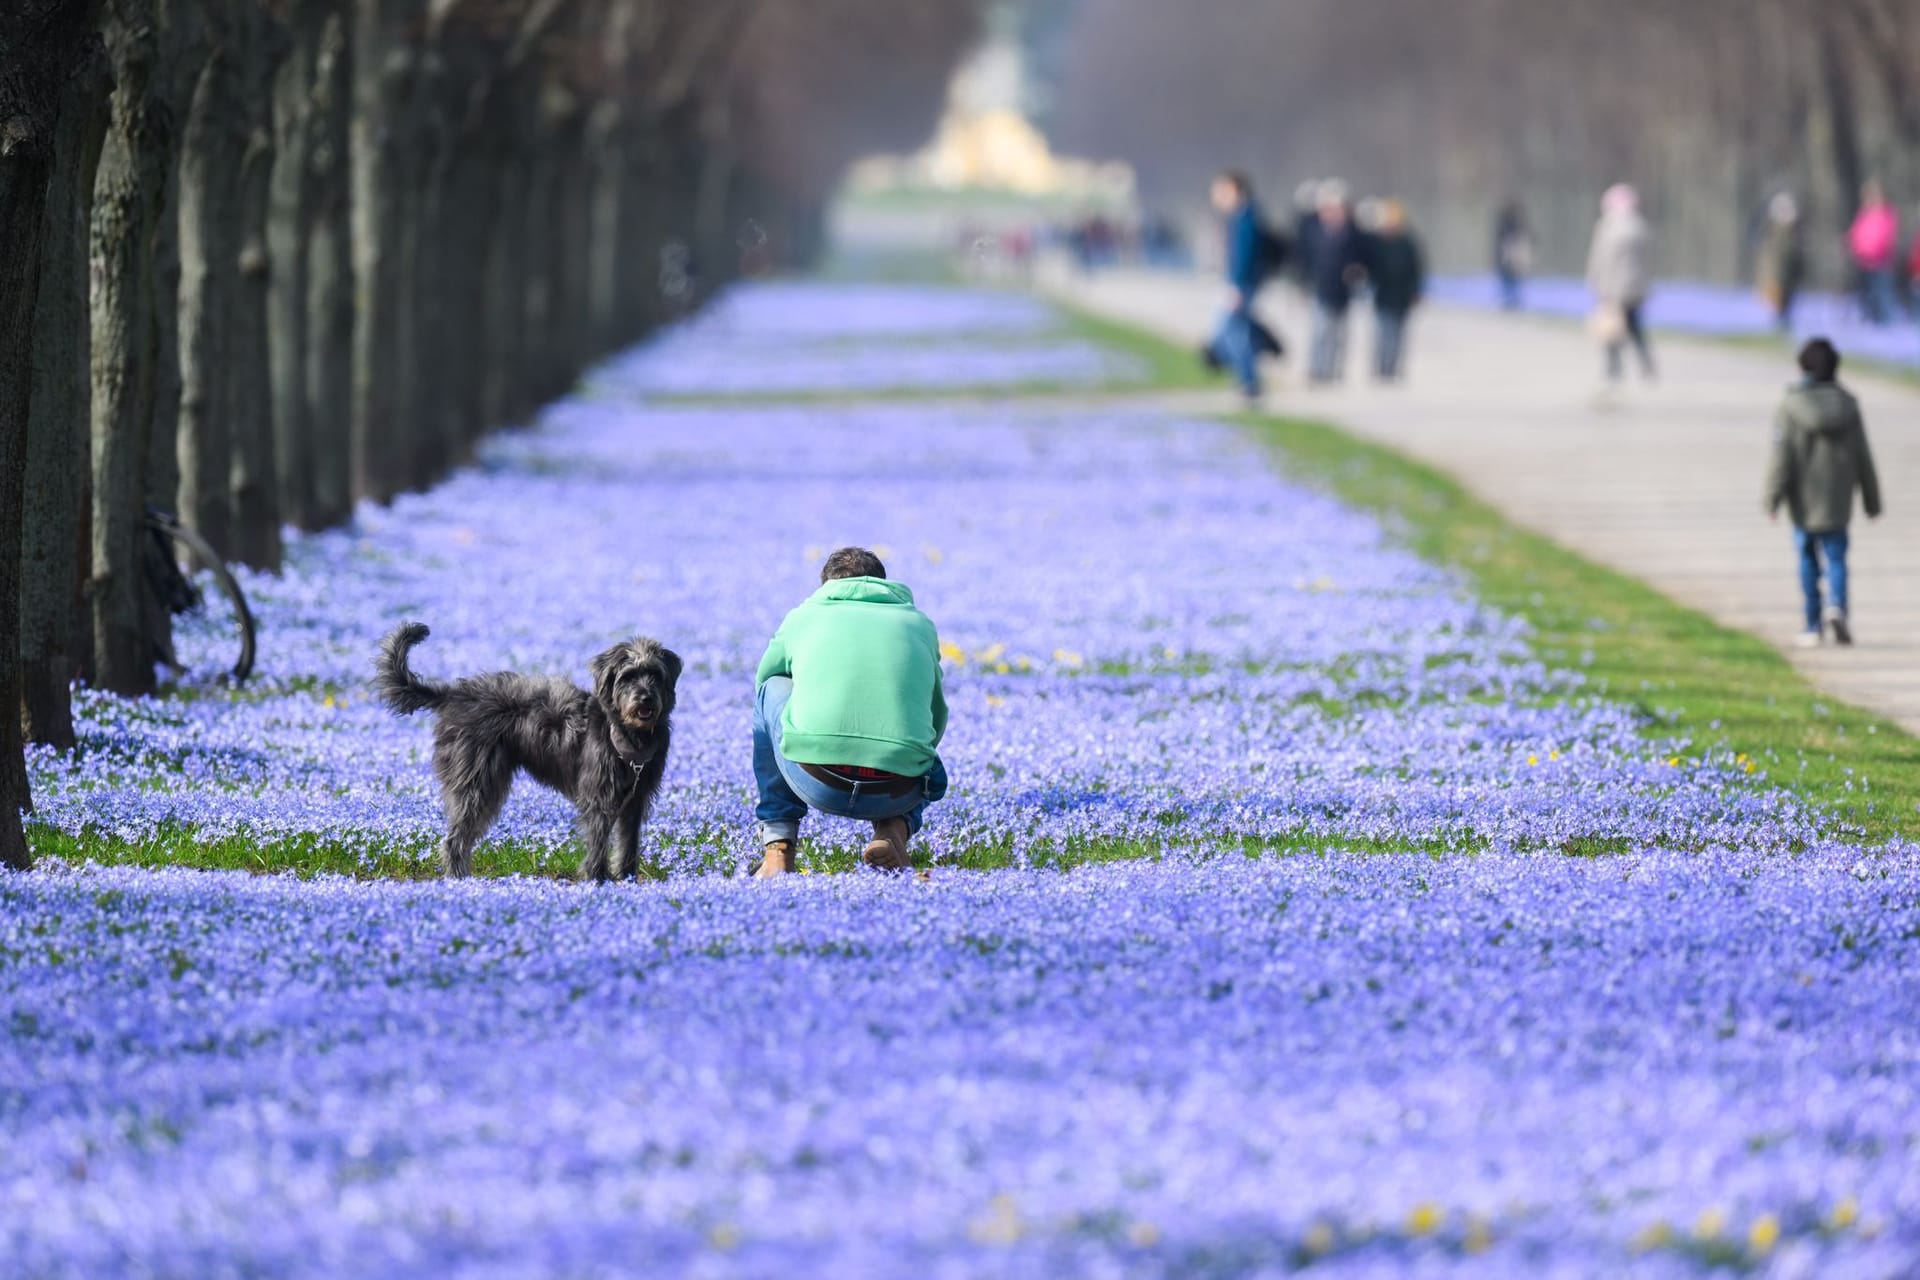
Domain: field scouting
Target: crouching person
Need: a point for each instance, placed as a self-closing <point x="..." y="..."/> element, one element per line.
<point x="848" y="713"/>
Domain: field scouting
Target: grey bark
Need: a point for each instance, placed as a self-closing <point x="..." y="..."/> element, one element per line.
<point x="128" y="190"/>
<point x="38" y="53"/>
<point x="210" y="231"/>
<point x="382" y="65"/>
<point x="290" y="227"/>
<point x="329" y="280"/>
<point x="255" y="499"/>
<point x="52" y="553"/>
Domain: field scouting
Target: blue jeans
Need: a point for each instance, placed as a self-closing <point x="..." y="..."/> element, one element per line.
<point x="787" y="791"/>
<point x="1389" y="343"/>
<point x="1327" y="361"/>
<point x="1813" y="548"/>
<point x="1880" y="296"/>
<point x="1510" y="296"/>
<point x="1233" y="347"/>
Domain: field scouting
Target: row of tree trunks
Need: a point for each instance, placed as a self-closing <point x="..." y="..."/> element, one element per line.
<point x="265" y="261"/>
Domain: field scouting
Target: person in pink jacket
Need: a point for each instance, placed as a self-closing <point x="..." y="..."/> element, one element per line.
<point x="1874" y="243"/>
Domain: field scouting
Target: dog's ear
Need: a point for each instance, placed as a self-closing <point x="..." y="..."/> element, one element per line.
<point x="671" y="661"/>
<point x="604" y="667"/>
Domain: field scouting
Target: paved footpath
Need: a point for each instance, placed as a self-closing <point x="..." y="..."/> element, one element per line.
<point x="1662" y="483"/>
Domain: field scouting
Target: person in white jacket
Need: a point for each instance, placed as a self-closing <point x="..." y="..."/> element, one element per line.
<point x="1620" y="275"/>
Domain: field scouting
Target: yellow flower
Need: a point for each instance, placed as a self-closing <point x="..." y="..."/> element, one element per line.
<point x="1479" y="1237"/>
<point x="991" y="653"/>
<point x="1710" y="1224"/>
<point x="1533" y="759"/>
<point x="1003" y="667"/>
<point x="1425" y="1219"/>
<point x="935" y="555"/>
<point x="994" y="701"/>
<point x="1068" y="657"/>
<point x="1750" y="766"/>
<point x="1318" y="1240"/>
<point x="1144" y="1235"/>
<point x="1764" y="1234"/>
<point x="1673" y="762"/>
<point x="329" y="703"/>
<point x="1000" y="1224"/>
<point x="1171" y="652"/>
<point x="953" y="653"/>
<point x="1553" y="755"/>
<point x="1844" y="1214"/>
<point x="1652" y="1236"/>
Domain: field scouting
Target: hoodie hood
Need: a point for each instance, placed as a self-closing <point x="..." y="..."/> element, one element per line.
<point x="1827" y="410"/>
<point x="866" y="591"/>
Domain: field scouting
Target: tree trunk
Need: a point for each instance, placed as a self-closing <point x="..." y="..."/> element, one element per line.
<point x="37" y="61"/>
<point x="329" y="268"/>
<point x="128" y="189"/>
<point x="290" y="227"/>
<point x="55" y="495"/>
<point x="503" y="398"/>
<point x="211" y="149"/>
<point x="381" y="66"/>
<point x="249" y="402"/>
<point x="25" y="163"/>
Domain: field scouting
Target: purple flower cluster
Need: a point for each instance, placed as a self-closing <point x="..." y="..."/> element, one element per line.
<point x="1152" y="639"/>
<point x="1478" y="1057"/>
<point x="845" y="339"/>
<point x="1688" y="306"/>
<point x="1515" y="1066"/>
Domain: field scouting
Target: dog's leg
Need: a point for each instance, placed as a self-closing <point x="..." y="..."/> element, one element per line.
<point x="626" y="843"/>
<point x="472" y="802"/>
<point x="596" y="833"/>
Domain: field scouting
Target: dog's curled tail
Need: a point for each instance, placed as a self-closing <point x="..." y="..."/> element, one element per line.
<point x="395" y="682"/>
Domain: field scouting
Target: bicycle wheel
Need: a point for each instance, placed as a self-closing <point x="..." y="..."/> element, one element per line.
<point x="198" y="548"/>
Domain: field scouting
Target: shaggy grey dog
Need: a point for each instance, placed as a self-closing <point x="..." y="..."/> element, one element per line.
<point x="605" y="750"/>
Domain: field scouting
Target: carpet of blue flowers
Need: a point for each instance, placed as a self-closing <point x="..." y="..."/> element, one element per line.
<point x="1513" y="988"/>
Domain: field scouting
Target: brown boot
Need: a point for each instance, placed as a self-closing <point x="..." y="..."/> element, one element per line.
<point x="888" y="848"/>
<point x="776" y="859"/>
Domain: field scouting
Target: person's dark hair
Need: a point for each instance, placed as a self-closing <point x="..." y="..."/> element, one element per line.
<point x="852" y="562"/>
<point x="1238" y="180"/>
<point x="1819" y="360"/>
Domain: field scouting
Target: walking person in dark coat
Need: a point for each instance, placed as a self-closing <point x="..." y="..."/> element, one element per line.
<point x="1398" y="271"/>
<point x="1512" y="253"/>
<point x="1338" y="266"/>
<point x="1783" y="259"/>
<point x="1237" y="343"/>
<point x="1820" y="459"/>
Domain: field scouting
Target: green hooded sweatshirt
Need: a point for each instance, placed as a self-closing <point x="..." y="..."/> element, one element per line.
<point x="866" y="678"/>
<point x="1820" y="459"/>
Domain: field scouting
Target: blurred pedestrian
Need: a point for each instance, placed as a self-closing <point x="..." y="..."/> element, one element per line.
<point x="1339" y="265"/>
<point x="1512" y="253"/>
<point x="1783" y="259"/>
<point x="1253" y="253"/>
<point x="1619" y="274"/>
<point x="1873" y="243"/>
<point x="1820" y="458"/>
<point x="1306" y="230"/>
<point x="1397" y="269"/>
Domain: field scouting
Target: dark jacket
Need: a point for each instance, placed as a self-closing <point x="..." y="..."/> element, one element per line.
<point x="1398" y="271"/>
<point x="1820" y="457"/>
<point x="1336" y="254"/>
<point x="1244" y="268"/>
